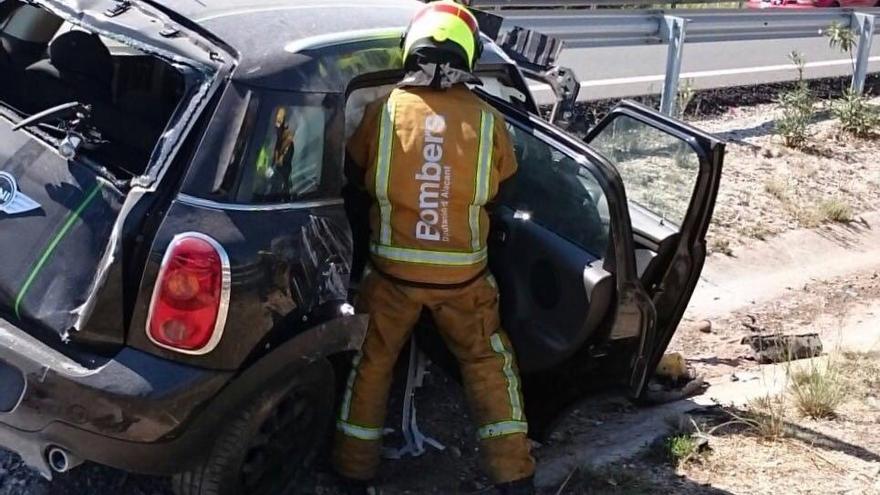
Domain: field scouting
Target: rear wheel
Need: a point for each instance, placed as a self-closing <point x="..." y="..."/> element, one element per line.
<point x="271" y="443"/>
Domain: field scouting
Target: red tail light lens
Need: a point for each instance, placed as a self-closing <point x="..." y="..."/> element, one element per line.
<point x="191" y="295"/>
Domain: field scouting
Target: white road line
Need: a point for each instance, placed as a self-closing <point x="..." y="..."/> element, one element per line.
<point x="706" y="73"/>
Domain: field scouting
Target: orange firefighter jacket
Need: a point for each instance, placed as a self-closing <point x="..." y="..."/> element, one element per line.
<point x="433" y="159"/>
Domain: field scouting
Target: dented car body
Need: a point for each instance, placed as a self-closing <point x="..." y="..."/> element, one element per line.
<point x="181" y="244"/>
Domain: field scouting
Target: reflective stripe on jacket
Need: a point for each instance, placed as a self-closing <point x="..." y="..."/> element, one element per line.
<point x="434" y="159"/>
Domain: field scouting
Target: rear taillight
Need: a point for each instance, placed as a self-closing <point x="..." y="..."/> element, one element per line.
<point x="191" y="295"/>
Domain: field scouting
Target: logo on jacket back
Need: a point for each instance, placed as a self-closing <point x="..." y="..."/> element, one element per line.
<point x="435" y="182"/>
<point x="12" y="201"/>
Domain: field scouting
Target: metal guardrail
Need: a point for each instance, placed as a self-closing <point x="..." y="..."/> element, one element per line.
<point x="586" y="4"/>
<point x="592" y="28"/>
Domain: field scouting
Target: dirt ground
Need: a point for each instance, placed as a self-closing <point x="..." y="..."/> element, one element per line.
<point x="822" y="307"/>
<point x="767" y="188"/>
<point x="835" y="455"/>
<point x="840" y="454"/>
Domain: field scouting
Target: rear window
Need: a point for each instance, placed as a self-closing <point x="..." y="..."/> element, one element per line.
<point x="283" y="150"/>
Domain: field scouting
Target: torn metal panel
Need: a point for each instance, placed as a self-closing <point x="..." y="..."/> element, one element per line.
<point x="325" y="257"/>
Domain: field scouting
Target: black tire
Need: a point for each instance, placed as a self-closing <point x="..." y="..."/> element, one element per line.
<point x="270" y="445"/>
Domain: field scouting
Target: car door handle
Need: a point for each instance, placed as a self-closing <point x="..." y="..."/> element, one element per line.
<point x="594" y="274"/>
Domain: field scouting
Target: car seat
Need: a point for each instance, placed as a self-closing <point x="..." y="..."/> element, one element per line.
<point x="15" y="55"/>
<point x="79" y="68"/>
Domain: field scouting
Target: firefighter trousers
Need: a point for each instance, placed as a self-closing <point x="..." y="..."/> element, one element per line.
<point x="468" y="320"/>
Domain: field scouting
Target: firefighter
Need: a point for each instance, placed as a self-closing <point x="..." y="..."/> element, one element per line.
<point x="434" y="155"/>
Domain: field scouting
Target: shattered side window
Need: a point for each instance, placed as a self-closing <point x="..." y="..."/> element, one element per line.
<point x="558" y="193"/>
<point x="285" y="159"/>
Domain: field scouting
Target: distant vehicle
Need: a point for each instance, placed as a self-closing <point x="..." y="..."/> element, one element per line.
<point x="809" y="4"/>
<point x="178" y="238"/>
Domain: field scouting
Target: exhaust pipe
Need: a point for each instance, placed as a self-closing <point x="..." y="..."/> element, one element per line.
<point x="60" y="460"/>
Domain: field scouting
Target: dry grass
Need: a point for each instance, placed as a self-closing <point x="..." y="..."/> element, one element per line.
<point x="720" y="245"/>
<point x="770" y="449"/>
<point x="862" y="372"/>
<point x="768" y="189"/>
<point x="836" y="210"/>
<point x="778" y="188"/>
<point x="765" y="416"/>
<point x="756" y="231"/>
<point x="819" y="390"/>
<point x="804" y="209"/>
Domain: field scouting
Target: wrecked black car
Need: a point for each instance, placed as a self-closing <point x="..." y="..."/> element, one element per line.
<point x="180" y="248"/>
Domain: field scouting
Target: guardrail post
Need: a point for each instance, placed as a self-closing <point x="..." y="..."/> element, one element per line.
<point x="673" y="34"/>
<point x="863" y="26"/>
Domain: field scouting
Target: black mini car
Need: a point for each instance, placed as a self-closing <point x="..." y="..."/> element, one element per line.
<point x="179" y="240"/>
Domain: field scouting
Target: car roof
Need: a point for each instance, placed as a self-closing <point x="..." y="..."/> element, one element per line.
<point x="263" y="31"/>
<point x="199" y="10"/>
<point x="289" y="45"/>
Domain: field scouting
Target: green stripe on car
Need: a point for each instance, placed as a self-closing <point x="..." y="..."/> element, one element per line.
<point x="49" y="250"/>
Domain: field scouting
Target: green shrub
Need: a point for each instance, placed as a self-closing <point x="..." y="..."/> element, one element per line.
<point x="857" y="117"/>
<point x="686" y="94"/>
<point x="841" y="37"/>
<point x="796" y="106"/>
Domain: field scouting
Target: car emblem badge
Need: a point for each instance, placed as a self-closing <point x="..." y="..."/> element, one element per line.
<point x="12" y="201"/>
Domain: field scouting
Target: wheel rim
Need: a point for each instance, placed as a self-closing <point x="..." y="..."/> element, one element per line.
<point x="284" y="441"/>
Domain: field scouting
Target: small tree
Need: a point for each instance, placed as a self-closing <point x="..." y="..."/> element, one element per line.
<point x="796" y="106"/>
<point x="842" y="38"/>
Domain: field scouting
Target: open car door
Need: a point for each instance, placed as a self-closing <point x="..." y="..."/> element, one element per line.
<point x="562" y="251"/>
<point x="671" y="172"/>
<point x="597" y="253"/>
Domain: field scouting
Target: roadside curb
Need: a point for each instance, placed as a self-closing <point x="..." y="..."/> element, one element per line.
<point x="767" y="269"/>
<point x="612" y="444"/>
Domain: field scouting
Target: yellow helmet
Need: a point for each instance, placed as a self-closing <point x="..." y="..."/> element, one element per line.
<point x="444" y="27"/>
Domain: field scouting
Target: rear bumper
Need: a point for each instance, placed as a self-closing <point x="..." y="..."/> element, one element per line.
<point x="135" y="411"/>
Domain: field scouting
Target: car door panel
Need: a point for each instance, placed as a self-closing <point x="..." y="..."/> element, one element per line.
<point x="577" y="197"/>
<point x="554" y="294"/>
